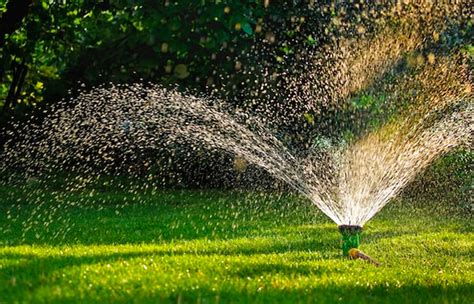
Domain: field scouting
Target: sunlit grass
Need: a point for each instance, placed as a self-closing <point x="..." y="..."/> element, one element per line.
<point x="213" y="247"/>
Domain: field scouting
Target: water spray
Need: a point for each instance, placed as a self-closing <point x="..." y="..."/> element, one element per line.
<point x="351" y="241"/>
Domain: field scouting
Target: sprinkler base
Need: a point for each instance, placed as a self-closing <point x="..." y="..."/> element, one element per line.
<point x="350" y="237"/>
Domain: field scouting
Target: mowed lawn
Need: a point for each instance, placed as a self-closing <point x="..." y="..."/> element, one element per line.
<point x="222" y="247"/>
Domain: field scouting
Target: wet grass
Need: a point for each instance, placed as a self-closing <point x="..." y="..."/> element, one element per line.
<point x="222" y="247"/>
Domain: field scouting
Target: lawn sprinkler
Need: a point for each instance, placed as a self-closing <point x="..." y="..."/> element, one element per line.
<point x="350" y="237"/>
<point x="351" y="242"/>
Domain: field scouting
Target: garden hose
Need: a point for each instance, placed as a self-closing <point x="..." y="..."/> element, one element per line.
<point x="355" y="253"/>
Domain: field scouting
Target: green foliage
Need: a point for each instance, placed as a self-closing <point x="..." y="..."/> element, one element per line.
<point x="469" y="50"/>
<point x="63" y="42"/>
<point x="448" y="182"/>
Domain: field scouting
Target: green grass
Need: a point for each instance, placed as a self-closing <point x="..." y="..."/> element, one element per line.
<point x="222" y="247"/>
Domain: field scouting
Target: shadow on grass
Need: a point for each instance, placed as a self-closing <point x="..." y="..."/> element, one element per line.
<point x="153" y="222"/>
<point x="314" y="292"/>
<point x="141" y="224"/>
<point x="332" y="293"/>
<point x="31" y="270"/>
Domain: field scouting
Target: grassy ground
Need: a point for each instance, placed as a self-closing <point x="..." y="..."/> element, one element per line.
<point x="216" y="247"/>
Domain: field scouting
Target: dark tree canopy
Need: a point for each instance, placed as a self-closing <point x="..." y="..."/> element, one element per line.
<point x="50" y="47"/>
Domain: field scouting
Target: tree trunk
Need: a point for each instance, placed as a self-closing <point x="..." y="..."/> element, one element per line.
<point x="19" y="74"/>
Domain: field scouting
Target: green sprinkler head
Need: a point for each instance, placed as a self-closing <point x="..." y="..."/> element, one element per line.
<point x="350" y="237"/>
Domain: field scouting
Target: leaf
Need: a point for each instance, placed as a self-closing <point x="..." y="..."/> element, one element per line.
<point x="181" y="71"/>
<point x="310" y="40"/>
<point x="39" y="85"/>
<point x="247" y="28"/>
<point x="309" y="118"/>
